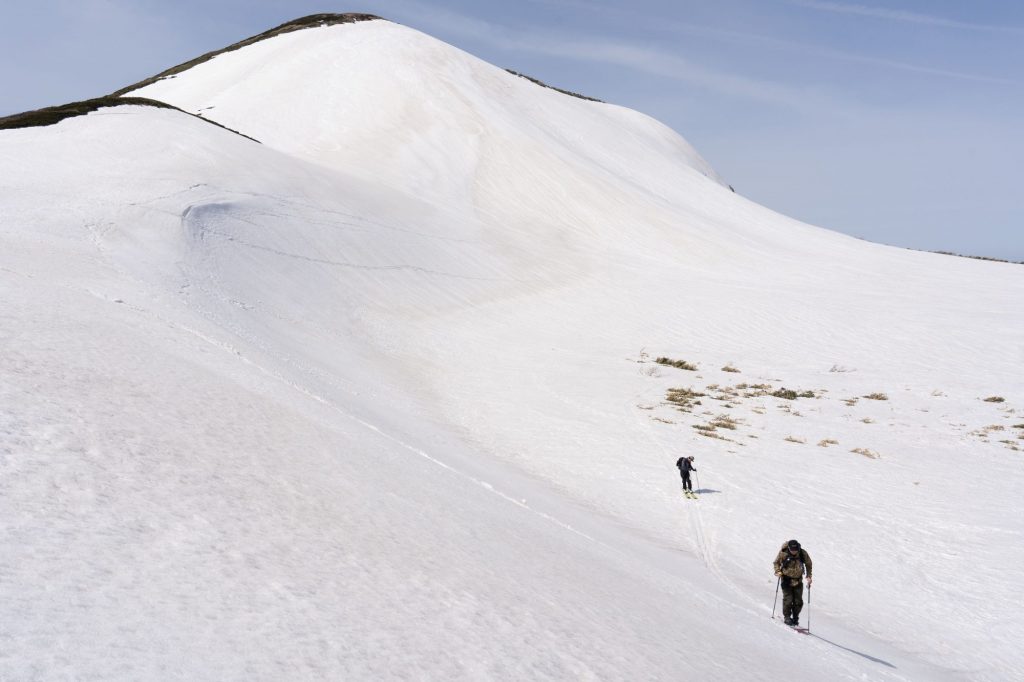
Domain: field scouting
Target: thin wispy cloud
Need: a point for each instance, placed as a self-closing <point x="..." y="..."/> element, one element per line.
<point x="598" y="49"/>
<point x="665" y="64"/>
<point x="828" y="53"/>
<point x="903" y="66"/>
<point x="902" y="15"/>
<point x="703" y="31"/>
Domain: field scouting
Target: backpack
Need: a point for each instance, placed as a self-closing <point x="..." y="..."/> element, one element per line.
<point x="790" y="558"/>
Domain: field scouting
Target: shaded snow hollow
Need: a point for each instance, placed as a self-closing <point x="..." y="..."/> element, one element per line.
<point x="378" y="399"/>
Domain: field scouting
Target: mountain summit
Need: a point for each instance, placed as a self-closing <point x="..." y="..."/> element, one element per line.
<point x="391" y="384"/>
<point x="402" y="108"/>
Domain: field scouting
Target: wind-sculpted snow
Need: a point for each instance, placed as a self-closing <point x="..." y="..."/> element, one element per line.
<point x="380" y="399"/>
<point x="238" y="225"/>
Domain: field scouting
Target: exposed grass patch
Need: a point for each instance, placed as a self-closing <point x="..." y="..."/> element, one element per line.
<point x="730" y="368"/>
<point x="826" y="442"/>
<point x="787" y="394"/>
<point x="870" y="454"/>
<point x="792" y="439"/>
<point x="53" y="115"/>
<point x="962" y="255"/>
<point x="877" y="396"/>
<point x="684" y="399"/>
<point x="985" y="431"/>
<point x="724" y="421"/>
<point x="851" y="401"/>
<point x="679" y="364"/>
<point x="754" y="390"/>
<point x="995" y="399"/>
<point x="708" y="430"/>
<point x="868" y="420"/>
<point x="663" y="421"/>
<point x="551" y="87"/>
<point x="725" y="394"/>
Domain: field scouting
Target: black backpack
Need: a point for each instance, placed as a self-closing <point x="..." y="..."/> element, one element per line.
<point x="790" y="558"/>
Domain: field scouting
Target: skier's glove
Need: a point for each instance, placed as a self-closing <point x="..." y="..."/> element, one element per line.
<point x="808" y="581"/>
<point x="778" y="574"/>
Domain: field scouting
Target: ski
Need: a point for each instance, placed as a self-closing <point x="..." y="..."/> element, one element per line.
<point x="794" y="628"/>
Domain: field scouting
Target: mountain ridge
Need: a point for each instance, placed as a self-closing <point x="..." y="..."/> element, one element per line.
<point x="48" y="116"/>
<point x="301" y="23"/>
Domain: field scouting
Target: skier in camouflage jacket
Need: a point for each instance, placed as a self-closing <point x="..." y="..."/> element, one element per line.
<point x="790" y="565"/>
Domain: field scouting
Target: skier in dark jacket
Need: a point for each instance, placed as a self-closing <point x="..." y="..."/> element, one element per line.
<point x="791" y="564"/>
<point x="685" y="465"/>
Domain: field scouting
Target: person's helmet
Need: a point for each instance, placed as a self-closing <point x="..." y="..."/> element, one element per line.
<point x="690" y="457"/>
<point x="793" y="544"/>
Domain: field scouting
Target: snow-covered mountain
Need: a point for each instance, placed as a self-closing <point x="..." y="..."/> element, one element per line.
<point x="362" y="383"/>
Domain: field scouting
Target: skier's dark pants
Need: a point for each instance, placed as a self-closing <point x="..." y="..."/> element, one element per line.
<point x="686" y="481"/>
<point x="792" y="598"/>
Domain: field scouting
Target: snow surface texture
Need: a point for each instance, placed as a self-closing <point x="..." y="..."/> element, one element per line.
<point x="378" y="399"/>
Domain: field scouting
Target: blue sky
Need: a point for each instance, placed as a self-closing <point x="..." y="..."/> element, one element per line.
<point x="897" y="121"/>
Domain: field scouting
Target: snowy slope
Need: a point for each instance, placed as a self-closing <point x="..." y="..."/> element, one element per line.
<point x="376" y="398"/>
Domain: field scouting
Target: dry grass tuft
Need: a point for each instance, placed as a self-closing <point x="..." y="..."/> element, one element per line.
<point x="685" y="399"/>
<point x="679" y="364"/>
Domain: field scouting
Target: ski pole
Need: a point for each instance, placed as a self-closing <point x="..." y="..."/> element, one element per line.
<point x="698" y="480"/>
<point x="808" y="608"/>
<point x="777" y="583"/>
